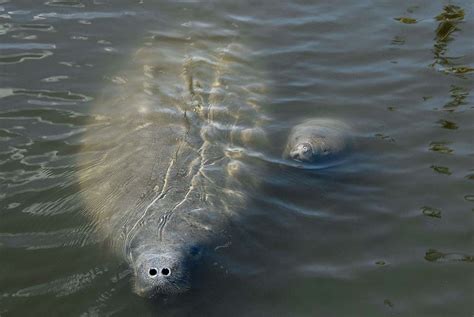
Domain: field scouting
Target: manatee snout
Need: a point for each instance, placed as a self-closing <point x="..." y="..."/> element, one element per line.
<point x="301" y="152"/>
<point x="162" y="272"/>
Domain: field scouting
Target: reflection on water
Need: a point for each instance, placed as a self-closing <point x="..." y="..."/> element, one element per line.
<point x="450" y="20"/>
<point x="436" y="256"/>
<point x="387" y="232"/>
<point x="440" y="147"/>
<point x="448" y="124"/>
<point x="458" y="97"/>
<point x="55" y="95"/>
<point x="441" y="169"/>
<point x="21" y="57"/>
<point x="431" y="212"/>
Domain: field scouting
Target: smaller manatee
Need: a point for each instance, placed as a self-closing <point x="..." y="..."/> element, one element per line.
<point x="318" y="140"/>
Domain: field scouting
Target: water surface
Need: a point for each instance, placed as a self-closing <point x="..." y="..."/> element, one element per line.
<point x="389" y="232"/>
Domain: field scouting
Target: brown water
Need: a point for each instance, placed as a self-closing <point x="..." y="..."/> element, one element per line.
<point x="387" y="233"/>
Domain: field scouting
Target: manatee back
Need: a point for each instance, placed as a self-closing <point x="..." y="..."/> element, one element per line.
<point x="165" y="167"/>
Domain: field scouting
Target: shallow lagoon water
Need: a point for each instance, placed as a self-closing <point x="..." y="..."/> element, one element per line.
<point x="386" y="232"/>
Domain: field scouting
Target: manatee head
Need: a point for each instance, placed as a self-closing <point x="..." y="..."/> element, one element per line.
<point x="163" y="272"/>
<point x="310" y="151"/>
<point x="318" y="140"/>
<point x="302" y="152"/>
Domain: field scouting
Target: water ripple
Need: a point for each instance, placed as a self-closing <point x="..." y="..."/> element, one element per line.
<point x="63" y="286"/>
<point x="48" y="94"/>
<point x="70" y="237"/>
<point x="90" y="15"/>
<point x="21" y="57"/>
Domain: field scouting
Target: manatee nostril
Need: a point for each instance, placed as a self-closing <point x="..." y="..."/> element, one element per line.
<point x="152" y="272"/>
<point x="165" y="271"/>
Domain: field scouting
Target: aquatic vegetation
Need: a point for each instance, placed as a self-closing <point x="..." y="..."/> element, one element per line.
<point x="440" y="147"/>
<point x="448" y="124"/>
<point x="444" y="30"/>
<point x="451" y="13"/>
<point x="388" y="302"/>
<point x="406" y="20"/>
<point x="385" y="137"/>
<point x="431" y="212"/>
<point x="441" y="169"/>
<point x="433" y="255"/>
<point x="461" y="69"/>
<point x="458" y="97"/>
<point x="398" y="40"/>
<point x="449" y="19"/>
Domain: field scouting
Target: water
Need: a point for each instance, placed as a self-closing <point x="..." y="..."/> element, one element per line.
<point x="388" y="232"/>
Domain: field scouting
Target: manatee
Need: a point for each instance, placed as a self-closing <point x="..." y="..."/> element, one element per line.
<point x="158" y="175"/>
<point x="318" y="141"/>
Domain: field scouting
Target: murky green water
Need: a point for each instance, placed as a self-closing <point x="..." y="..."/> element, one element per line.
<point x="387" y="233"/>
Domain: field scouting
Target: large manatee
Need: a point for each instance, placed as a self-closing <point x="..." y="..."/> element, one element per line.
<point x="318" y="141"/>
<point x="160" y="173"/>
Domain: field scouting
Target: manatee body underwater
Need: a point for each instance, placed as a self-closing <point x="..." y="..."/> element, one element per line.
<point x="164" y="159"/>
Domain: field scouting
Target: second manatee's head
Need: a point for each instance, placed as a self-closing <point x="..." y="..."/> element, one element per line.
<point x="302" y="152"/>
<point x="316" y="141"/>
<point x="309" y="150"/>
<point x="163" y="271"/>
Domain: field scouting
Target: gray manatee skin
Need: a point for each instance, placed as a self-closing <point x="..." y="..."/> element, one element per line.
<point x="150" y="196"/>
<point x="318" y="141"/>
<point x="159" y="178"/>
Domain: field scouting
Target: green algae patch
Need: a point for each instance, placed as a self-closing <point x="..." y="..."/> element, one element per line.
<point x="448" y="124"/>
<point x="451" y="13"/>
<point x="431" y="212"/>
<point x="461" y="69"/>
<point x="433" y="255"/>
<point x="458" y="97"/>
<point x="441" y="169"/>
<point x="384" y="137"/>
<point x="440" y="147"/>
<point x="406" y="20"/>
<point x="388" y="302"/>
